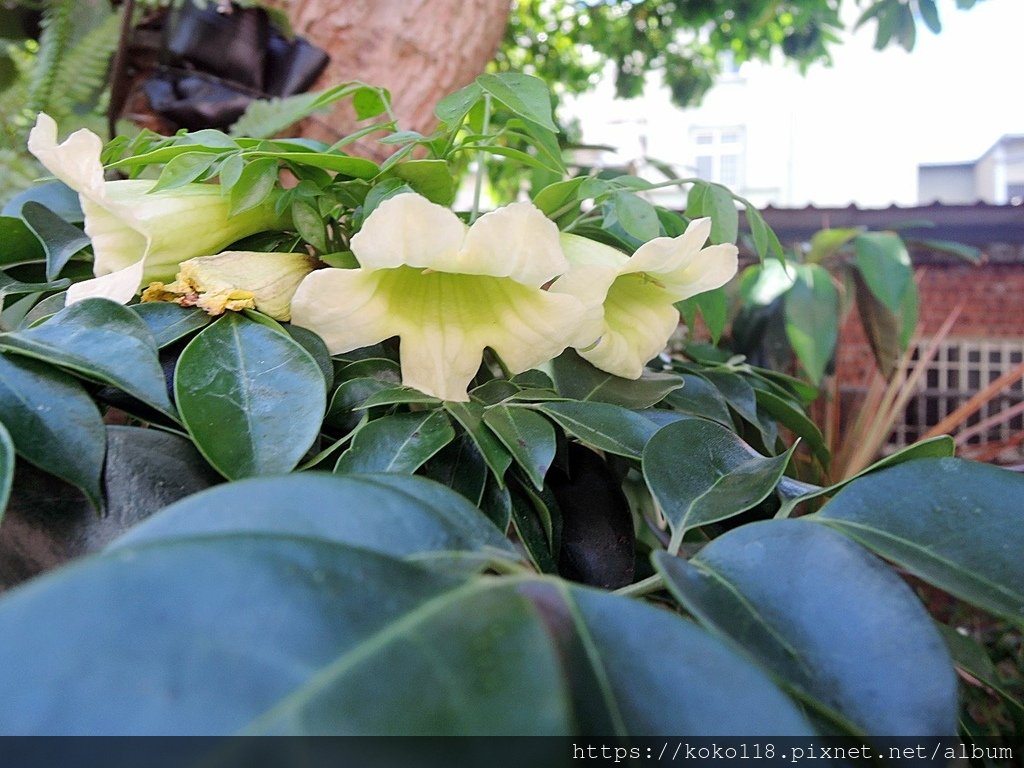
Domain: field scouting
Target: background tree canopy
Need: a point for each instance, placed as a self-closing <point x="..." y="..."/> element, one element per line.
<point x="568" y="43"/>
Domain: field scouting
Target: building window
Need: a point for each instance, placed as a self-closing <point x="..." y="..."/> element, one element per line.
<point x="960" y="369"/>
<point x="718" y="155"/>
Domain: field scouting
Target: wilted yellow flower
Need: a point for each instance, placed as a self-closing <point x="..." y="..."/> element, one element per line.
<point x="237" y="280"/>
<point x="634" y="296"/>
<point x="138" y="236"/>
<point x="447" y="291"/>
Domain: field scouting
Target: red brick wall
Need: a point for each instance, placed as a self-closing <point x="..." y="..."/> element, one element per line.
<point x="993" y="297"/>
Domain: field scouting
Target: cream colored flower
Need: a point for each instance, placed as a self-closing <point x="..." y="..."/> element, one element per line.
<point x="447" y="291"/>
<point x="139" y="237"/>
<point x="237" y="280"/>
<point x="634" y="296"/>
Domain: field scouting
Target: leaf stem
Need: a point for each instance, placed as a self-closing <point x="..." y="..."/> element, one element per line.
<point x="643" y="587"/>
<point x="481" y="167"/>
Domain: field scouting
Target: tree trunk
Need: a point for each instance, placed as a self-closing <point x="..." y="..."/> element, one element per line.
<point x="420" y="50"/>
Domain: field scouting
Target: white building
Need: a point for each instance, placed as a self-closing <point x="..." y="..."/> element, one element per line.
<point x="995" y="177"/>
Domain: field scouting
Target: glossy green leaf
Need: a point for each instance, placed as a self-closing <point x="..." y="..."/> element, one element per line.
<point x="797" y="422"/>
<point x="536" y="520"/>
<point x="606" y="427"/>
<point x="972" y="657"/>
<point x="7" y="458"/>
<point x="55" y="195"/>
<point x="397" y="515"/>
<point x="103" y="341"/>
<point x="251" y="398"/>
<point x="939" y="447"/>
<point x="471" y="417"/>
<point x="18" y="244"/>
<point x="183" y="169"/>
<point x="828" y="619"/>
<point x="60" y="240"/>
<point x="766" y="242"/>
<point x="254" y="186"/>
<point x="461" y="467"/>
<point x="699" y="397"/>
<point x="317" y="349"/>
<point x="54" y="424"/>
<point x="700" y="472"/>
<point x="525" y="95"/>
<point x="952" y="523"/>
<point x="430" y="178"/>
<point x="579" y="380"/>
<point x="168" y="322"/>
<point x="345" y="410"/>
<point x="636" y="216"/>
<point x="714" y="308"/>
<point x="339" y="162"/>
<point x="812" y="319"/>
<point x="11" y="287"/>
<point x="827" y="242"/>
<point x="309" y="224"/>
<point x="399" y="395"/>
<point x="714" y="200"/>
<point x="884" y="263"/>
<point x="455" y="106"/>
<point x="559" y="197"/>
<point x="529" y="438"/>
<point x="399" y="443"/>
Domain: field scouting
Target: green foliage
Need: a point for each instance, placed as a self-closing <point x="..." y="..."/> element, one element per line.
<point x="570" y="42"/>
<point x="381" y="561"/>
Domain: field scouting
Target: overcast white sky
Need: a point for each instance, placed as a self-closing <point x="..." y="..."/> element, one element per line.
<point x="948" y="100"/>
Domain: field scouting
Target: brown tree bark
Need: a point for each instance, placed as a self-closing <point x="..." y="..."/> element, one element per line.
<point x="420" y="50"/>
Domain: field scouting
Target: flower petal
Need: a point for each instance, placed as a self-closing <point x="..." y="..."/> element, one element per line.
<point x="444" y="321"/>
<point x="638" y="319"/>
<point x="667" y="254"/>
<point x="409" y="230"/>
<point x="119" y="286"/>
<point x="516" y="241"/>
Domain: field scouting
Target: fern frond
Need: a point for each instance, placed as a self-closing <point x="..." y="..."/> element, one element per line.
<point x="57" y="26"/>
<point x="83" y="73"/>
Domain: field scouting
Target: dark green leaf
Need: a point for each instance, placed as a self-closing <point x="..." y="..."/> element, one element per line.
<point x="254" y="186"/>
<point x="882" y="327"/>
<point x="398" y="443"/>
<point x="766" y="242"/>
<point x="399" y="395"/>
<point x="972" y="657"/>
<point x="812" y="319"/>
<point x="470" y="416"/>
<point x="55" y="195"/>
<point x="714" y="308"/>
<point x="966" y="252"/>
<point x="60" y="240"/>
<point x="850" y="634"/>
<point x="7" y="458"/>
<point x="721" y="476"/>
<point x="103" y="341"/>
<point x="952" y="523"/>
<point x="461" y="467"/>
<point x="9" y="287"/>
<point x="537" y="522"/>
<point x="529" y="437"/>
<point x="699" y="397"/>
<point x="525" y="95"/>
<point x="18" y="244"/>
<point x="714" y="200"/>
<point x="251" y="398"/>
<point x="168" y="322"/>
<point x="827" y="242"/>
<point x="604" y="426"/>
<point x="884" y="263"/>
<point x="394" y="515"/>
<point x="797" y="422"/>
<point x="54" y="424"/>
<point x="935" y="448"/>
<point x="579" y="380"/>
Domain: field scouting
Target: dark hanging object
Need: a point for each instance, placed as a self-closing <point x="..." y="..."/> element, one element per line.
<point x="213" y="61"/>
<point x="598" y="541"/>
